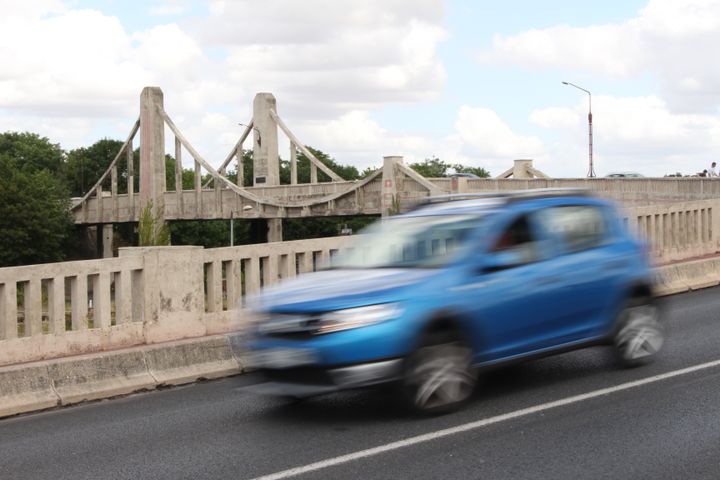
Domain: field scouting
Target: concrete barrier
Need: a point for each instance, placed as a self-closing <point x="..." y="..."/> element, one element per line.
<point x="25" y="389"/>
<point x="191" y="360"/>
<point x="100" y="376"/>
<point x="685" y="276"/>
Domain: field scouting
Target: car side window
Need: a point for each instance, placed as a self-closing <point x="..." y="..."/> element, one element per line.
<point x="576" y="228"/>
<point x="518" y="237"/>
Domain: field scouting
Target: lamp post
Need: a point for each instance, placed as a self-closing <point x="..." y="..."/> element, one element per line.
<point x="591" y="170"/>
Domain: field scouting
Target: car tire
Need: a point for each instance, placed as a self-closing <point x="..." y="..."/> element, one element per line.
<point x="438" y="376"/>
<point x="638" y="334"/>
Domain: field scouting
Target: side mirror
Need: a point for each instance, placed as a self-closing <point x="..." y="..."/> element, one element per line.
<point x="503" y="260"/>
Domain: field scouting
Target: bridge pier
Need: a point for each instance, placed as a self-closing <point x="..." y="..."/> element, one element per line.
<point x="274" y="230"/>
<point x="107" y="240"/>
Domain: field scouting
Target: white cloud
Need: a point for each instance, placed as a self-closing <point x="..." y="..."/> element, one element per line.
<point x="639" y="134"/>
<point x="325" y="61"/>
<point x="354" y="138"/>
<point x="670" y="38"/>
<point x="351" y="55"/>
<point x="483" y="133"/>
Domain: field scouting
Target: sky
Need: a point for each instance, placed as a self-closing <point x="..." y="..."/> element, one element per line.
<point x="471" y="82"/>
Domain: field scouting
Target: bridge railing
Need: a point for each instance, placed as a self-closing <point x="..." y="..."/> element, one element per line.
<point x="146" y="295"/>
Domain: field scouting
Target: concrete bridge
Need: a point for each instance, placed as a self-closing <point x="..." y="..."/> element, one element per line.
<point x="393" y="187"/>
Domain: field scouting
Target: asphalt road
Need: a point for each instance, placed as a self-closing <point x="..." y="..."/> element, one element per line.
<point x="571" y="416"/>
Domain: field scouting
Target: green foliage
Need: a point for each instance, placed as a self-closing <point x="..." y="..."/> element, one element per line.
<point x="207" y="233"/>
<point x="436" y="168"/>
<point x="34" y="216"/>
<point x="85" y="166"/>
<point x="32" y="153"/>
<point x="301" y="228"/>
<point x="479" y="171"/>
<point x="347" y="172"/>
<point x="152" y="231"/>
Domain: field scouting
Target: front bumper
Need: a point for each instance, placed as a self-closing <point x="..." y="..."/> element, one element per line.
<point x="309" y="381"/>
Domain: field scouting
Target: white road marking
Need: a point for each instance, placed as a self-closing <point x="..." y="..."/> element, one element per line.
<point x="330" y="462"/>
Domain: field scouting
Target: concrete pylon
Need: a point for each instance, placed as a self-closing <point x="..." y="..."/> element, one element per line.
<point x="390" y="201"/>
<point x="522" y="169"/>
<point x="152" y="150"/>
<point x="266" y="163"/>
<point x="266" y="166"/>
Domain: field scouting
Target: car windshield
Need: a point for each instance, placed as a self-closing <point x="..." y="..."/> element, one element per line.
<point x="405" y="242"/>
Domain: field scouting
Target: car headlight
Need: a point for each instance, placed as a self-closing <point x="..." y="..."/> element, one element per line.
<point x="357" y="317"/>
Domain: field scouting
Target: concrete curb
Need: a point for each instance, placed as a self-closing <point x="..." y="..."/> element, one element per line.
<point x="50" y="383"/>
<point x="40" y="385"/>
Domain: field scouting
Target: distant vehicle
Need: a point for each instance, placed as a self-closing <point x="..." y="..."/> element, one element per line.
<point x="465" y="175"/>
<point x="624" y="174"/>
<point x="429" y="298"/>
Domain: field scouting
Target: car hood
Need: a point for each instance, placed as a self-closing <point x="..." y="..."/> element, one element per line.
<point x="343" y="288"/>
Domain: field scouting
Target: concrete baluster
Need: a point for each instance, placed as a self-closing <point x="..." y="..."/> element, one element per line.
<point x="233" y="286"/>
<point x="56" y="306"/>
<point x="252" y="274"/>
<point x="214" y="286"/>
<point x="272" y="274"/>
<point x="101" y="300"/>
<point x="123" y="297"/>
<point x="79" y="302"/>
<point x="8" y="310"/>
<point x="33" y="307"/>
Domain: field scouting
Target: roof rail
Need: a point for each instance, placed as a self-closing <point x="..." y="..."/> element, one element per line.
<point x="508" y="195"/>
<point x="462" y="196"/>
<point x="549" y="193"/>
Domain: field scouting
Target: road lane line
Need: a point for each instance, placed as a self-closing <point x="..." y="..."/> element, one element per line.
<point x="330" y="462"/>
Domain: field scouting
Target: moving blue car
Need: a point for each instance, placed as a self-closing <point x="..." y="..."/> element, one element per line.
<point x="429" y="298"/>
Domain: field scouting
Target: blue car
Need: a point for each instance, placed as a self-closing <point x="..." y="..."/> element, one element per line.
<point x="428" y="299"/>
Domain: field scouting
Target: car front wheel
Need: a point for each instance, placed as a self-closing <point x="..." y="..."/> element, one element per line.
<point x="638" y="335"/>
<point x="439" y="377"/>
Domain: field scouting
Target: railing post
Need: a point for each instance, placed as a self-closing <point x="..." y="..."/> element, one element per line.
<point x="172" y="291"/>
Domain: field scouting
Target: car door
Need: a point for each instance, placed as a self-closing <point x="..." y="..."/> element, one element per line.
<point x="583" y="257"/>
<point x="513" y="299"/>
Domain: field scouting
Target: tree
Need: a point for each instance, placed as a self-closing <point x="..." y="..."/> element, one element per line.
<point x="32" y="153"/>
<point x="436" y="168"/>
<point x="85" y="166"/>
<point x="34" y="214"/>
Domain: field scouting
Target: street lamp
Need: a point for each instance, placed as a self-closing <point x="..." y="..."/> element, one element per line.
<point x="591" y="170"/>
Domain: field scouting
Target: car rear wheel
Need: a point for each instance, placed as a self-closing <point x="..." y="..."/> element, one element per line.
<point x="639" y="335"/>
<point x="439" y="377"/>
